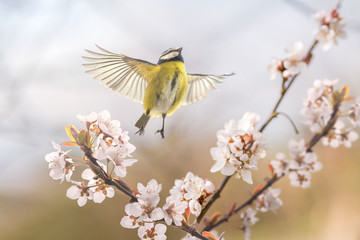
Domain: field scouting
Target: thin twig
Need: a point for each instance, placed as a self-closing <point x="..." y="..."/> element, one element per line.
<point x="215" y="196"/>
<point x="290" y="120"/>
<point x="247" y="202"/>
<point x="285" y="89"/>
<point x="108" y="180"/>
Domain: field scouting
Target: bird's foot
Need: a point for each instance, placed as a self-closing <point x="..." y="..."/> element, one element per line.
<point x="161" y="131"/>
<point x="141" y="131"/>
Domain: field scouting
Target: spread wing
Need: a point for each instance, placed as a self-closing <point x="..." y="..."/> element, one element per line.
<point x="200" y="84"/>
<point x="125" y="75"/>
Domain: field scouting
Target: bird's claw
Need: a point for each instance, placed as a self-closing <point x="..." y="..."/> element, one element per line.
<point x="161" y="131"/>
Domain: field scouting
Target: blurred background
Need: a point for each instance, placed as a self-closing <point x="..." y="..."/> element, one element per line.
<point x="43" y="86"/>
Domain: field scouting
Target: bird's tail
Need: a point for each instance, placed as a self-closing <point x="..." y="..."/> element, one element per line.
<point x="143" y="120"/>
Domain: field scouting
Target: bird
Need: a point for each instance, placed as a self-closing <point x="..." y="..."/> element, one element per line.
<point x="161" y="87"/>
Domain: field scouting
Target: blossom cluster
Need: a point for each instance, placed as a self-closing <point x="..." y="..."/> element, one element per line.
<point x="192" y="190"/>
<point x="144" y="213"/>
<point x="294" y="63"/>
<point x="239" y="146"/>
<point x="318" y="107"/>
<point x="187" y="194"/>
<point x="300" y="166"/>
<point x="266" y="201"/>
<point x="248" y="218"/>
<point x="105" y="140"/>
<point x="331" y="28"/>
<point x="61" y="166"/>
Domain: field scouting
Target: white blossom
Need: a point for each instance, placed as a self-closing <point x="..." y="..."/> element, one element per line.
<point x="152" y="232"/>
<point x="174" y="210"/>
<point x="60" y="165"/>
<point x="117" y="153"/>
<point x="300" y="157"/>
<point x="152" y="188"/>
<point x="317" y="107"/>
<point x="123" y="141"/>
<point x="269" y="200"/>
<point x="294" y="63"/>
<point x="331" y="28"/>
<point x="108" y="126"/>
<point x="209" y="187"/>
<point x="134" y="211"/>
<point x="195" y="207"/>
<point x="302" y="163"/>
<point x="88" y="174"/>
<point x="355" y="112"/>
<point x="280" y="165"/>
<point x="340" y="135"/>
<point x="274" y="68"/>
<point x="300" y="178"/>
<point x="150" y="211"/>
<point x="97" y="185"/>
<point x="193" y="190"/>
<point x="144" y="210"/>
<point x="88" y="119"/>
<point x="240" y="145"/>
<point x="101" y="191"/>
<point x="348" y="137"/>
<point x="79" y="192"/>
<point x="248" y="218"/>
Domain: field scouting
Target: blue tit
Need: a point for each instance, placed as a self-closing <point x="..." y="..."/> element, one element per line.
<point x="161" y="87"/>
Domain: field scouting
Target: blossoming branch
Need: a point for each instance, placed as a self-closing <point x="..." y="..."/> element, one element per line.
<point x="329" y="112"/>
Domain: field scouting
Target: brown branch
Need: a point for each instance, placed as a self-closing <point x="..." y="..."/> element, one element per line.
<point x="285" y="89"/>
<point x="122" y="186"/>
<point x="247" y="202"/>
<point x="314" y="140"/>
<point x="273" y="115"/>
<point x="108" y="180"/>
<point x="192" y="231"/>
<point x="215" y="196"/>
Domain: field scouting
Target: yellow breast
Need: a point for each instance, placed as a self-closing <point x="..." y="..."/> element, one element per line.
<point x="167" y="88"/>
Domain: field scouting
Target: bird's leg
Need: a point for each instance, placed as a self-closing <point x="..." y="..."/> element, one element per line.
<point x="161" y="131"/>
<point x="143" y="121"/>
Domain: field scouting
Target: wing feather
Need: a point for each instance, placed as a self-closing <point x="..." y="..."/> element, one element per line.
<point x="200" y="85"/>
<point x="125" y="75"/>
<point x="118" y="83"/>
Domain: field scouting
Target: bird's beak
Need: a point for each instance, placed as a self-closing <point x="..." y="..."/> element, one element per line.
<point x="179" y="49"/>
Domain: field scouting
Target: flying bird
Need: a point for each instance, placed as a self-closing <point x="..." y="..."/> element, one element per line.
<point x="161" y="87"/>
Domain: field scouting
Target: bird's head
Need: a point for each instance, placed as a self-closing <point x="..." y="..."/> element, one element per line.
<point x="172" y="54"/>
